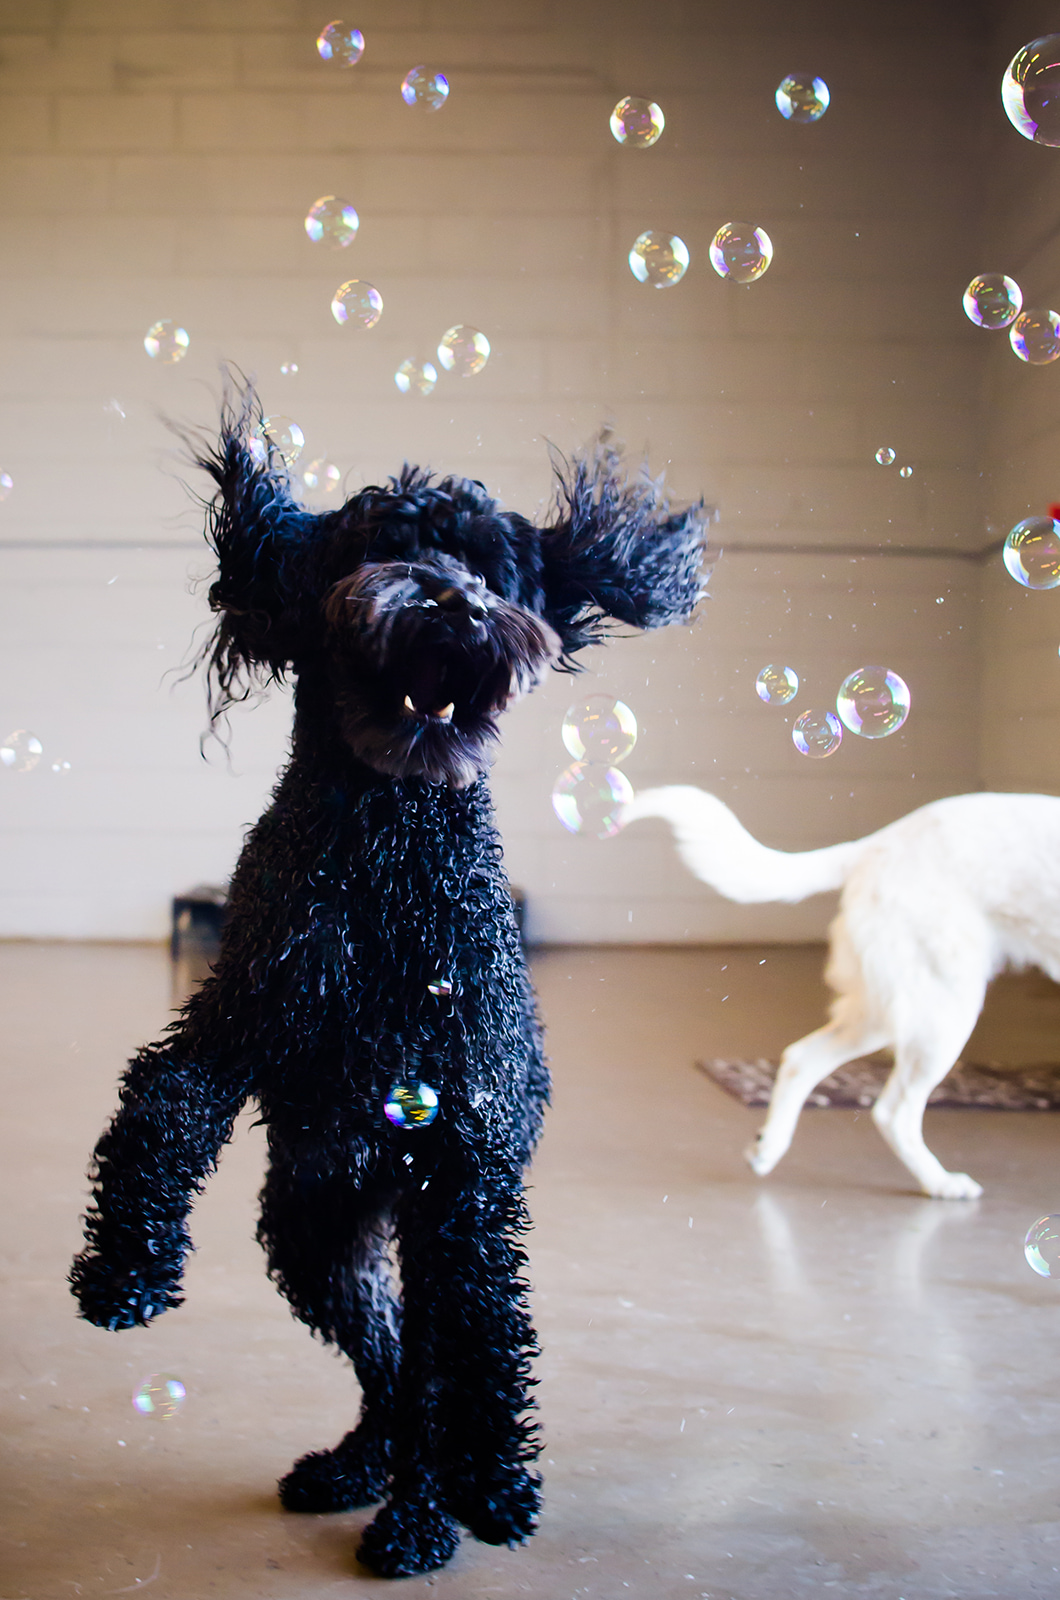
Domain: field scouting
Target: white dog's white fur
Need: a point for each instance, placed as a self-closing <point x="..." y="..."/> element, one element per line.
<point x="931" y="908"/>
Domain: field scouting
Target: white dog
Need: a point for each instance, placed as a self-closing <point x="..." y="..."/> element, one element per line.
<point x="931" y="908"/>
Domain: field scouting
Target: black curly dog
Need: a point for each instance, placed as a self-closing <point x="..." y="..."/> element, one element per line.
<point x="371" y="943"/>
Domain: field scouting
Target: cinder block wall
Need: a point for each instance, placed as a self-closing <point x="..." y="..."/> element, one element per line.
<point x="156" y="160"/>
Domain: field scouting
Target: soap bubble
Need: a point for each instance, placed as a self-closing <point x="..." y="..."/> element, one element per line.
<point x="1035" y="336"/>
<point x="321" y="477"/>
<point x="802" y="98"/>
<point x="741" y="252"/>
<point x="992" y="301"/>
<point x="637" y="122"/>
<point x="411" y="1105"/>
<point x="20" y="751"/>
<point x="463" y="350"/>
<point x="659" y="258"/>
<point x="167" y="343"/>
<point x="332" y="221"/>
<point x="440" y="987"/>
<point x="419" y="375"/>
<point x="873" y="702"/>
<point x="777" y="685"/>
<point x="588" y="799"/>
<point x="599" y="729"/>
<point x="7" y="483"/>
<point x="817" y="734"/>
<point x="1032" y="553"/>
<point x="357" y="303"/>
<point x="1042" y="1246"/>
<point x="160" y="1395"/>
<point x="1030" y="90"/>
<point x="425" y="88"/>
<point x="61" y="767"/>
<point x="288" y="368"/>
<point x="340" y="44"/>
<point x="905" y="472"/>
<point x="279" y="434"/>
<point x="885" y="455"/>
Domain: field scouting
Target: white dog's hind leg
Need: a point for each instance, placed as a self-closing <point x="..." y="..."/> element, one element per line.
<point x="802" y="1067"/>
<point x="899" y="1114"/>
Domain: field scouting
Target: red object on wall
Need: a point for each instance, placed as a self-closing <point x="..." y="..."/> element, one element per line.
<point x="1054" y="511"/>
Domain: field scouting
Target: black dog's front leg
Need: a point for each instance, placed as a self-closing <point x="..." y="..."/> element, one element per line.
<point x="174" y="1117"/>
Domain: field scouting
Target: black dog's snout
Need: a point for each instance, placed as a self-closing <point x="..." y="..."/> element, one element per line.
<point x="459" y="600"/>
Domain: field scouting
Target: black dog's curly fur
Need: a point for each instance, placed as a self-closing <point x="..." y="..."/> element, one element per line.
<point x="372" y="884"/>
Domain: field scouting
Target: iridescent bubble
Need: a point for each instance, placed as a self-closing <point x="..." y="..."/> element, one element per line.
<point x="659" y="258"/>
<point x="873" y="702"/>
<point x="279" y="434"/>
<point x="885" y="455"/>
<point x="589" y="798"/>
<point x="167" y="343"/>
<point x="61" y="767"/>
<point x="637" y="122"/>
<point x="161" y="1395"/>
<point x="599" y="729"/>
<point x="114" y="410"/>
<point x="1030" y="90"/>
<point x="463" y="350"/>
<point x="20" y="751"/>
<point x="288" y="368"/>
<point x="425" y="88"/>
<point x="7" y="483"/>
<point x="419" y="375"/>
<point x="357" y="303"/>
<point x="817" y="734"/>
<point x="441" y="987"/>
<point x="321" y="477"/>
<point x="1032" y="553"/>
<point x="802" y="98"/>
<point x="340" y="44"/>
<point x="741" y="252"/>
<point x="992" y="301"/>
<point x="905" y="472"/>
<point x="1035" y="336"/>
<point x="1042" y="1246"/>
<point x="332" y="221"/>
<point x="777" y="685"/>
<point x="411" y="1105"/>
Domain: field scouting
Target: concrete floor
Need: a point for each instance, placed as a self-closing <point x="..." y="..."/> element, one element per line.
<point x="750" y="1389"/>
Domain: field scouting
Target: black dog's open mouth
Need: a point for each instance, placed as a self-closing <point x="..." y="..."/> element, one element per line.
<point x="440" y="691"/>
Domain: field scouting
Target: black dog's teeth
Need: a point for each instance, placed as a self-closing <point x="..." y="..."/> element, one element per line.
<point x="443" y="714"/>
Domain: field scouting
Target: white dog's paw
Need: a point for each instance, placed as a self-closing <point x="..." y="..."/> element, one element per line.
<point x="955" y="1186"/>
<point x="760" y="1158"/>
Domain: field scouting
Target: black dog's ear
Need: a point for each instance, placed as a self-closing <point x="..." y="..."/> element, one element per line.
<point x="617" y="552"/>
<point x="268" y="587"/>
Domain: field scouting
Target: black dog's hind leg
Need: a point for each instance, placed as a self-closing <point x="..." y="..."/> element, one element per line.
<point x="461" y="1438"/>
<point x="327" y="1247"/>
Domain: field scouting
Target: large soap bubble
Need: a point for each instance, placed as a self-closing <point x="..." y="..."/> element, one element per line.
<point x="1032" y="553"/>
<point x="873" y="702"/>
<point x="637" y="122"/>
<point x="1042" y="1247"/>
<point x="357" y="304"/>
<point x="280" y="434"/>
<point x="801" y="97"/>
<point x="992" y="301"/>
<point x="1035" y="336"/>
<point x="419" y="375"/>
<point x="1030" y="90"/>
<point x="425" y="89"/>
<point x="167" y="343"/>
<point x="741" y="252"/>
<point x="589" y="799"/>
<point x="161" y="1395"/>
<point x="659" y="258"/>
<point x="340" y="44"/>
<point x="599" y="729"/>
<point x="777" y="685"/>
<point x="463" y="350"/>
<point x="20" y="751"/>
<point x="817" y="734"/>
<point x="411" y="1105"/>
<point x="332" y="221"/>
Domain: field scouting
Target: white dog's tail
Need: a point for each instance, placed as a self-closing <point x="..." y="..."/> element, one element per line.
<point x="718" y="849"/>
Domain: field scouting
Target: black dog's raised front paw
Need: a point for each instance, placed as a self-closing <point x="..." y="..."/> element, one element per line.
<point x="408" y="1537"/>
<point x="114" y="1297"/>
<point x="353" y="1474"/>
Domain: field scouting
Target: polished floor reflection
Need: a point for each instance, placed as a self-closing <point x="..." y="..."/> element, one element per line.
<point x="750" y="1390"/>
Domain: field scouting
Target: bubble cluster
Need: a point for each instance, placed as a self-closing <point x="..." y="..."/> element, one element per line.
<point x="801" y="97"/>
<point x="1035" y="336"/>
<point x="463" y="350"/>
<point x="873" y="702"/>
<point x="20" y="751"/>
<point x="1030" y="90"/>
<point x="1042" y="1247"/>
<point x="817" y="734"/>
<point x="425" y="88"/>
<point x="885" y="455"/>
<point x="658" y="258"/>
<point x="357" y="304"/>
<point x="740" y="252"/>
<point x="992" y="301"/>
<point x="332" y="221"/>
<point x="411" y="1105"/>
<point x="167" y="343"/>
<point x="637" y="122"/>
<point x="340" y="44"/>
<point x="419" y="375"/>
<point x="321" y="476"/>
<point x="280" y="434"/>
<point x="1031" y="553"/>
<point x="588" y="799"/>
<point x="161" y="1395"/>
<point x="599" y="729"/>
<point x="777" y="685"/>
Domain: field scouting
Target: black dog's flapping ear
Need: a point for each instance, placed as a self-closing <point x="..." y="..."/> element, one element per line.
<point x="267" y="590"/>
<point x="617" y="552"/>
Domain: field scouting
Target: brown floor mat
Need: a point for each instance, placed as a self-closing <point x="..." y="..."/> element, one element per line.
<point x="1035" y="1088"/>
